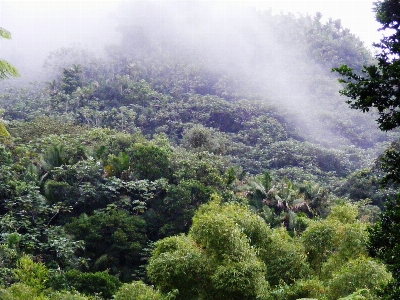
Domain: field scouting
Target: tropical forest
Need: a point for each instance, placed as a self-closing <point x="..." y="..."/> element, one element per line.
<point x="204" y="156"/>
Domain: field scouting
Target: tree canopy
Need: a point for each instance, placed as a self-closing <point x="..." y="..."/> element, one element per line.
<point x="376" y="88"/>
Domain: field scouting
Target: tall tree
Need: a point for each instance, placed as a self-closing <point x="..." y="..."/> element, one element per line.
<point x="377" y="87"/>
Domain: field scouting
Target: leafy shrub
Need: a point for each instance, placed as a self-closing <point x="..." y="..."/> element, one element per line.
<point x="67" y="295"/>
<point x="303" y="289"/>
<point x="137" y="290"/>
<point x="113" y="240"/>
<point x="178" y="263"/>
<point x="21" y="291"/>
<point x="357" y="274"/>
<point x="32" y="274"/>
<point x="150" y="161"/>
<point x="87" y="283"/>
<point x="8" y="260"/>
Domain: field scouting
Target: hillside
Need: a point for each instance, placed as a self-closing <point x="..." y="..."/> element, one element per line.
<point x="116" y="167"/>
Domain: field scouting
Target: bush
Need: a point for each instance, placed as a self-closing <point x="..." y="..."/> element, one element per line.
<point x="87" y="283"/>
<point x="113" y="240"/>
<point x="137" y="290"/>
<point x="67" y="295"/>
<point x="357" y="274"/>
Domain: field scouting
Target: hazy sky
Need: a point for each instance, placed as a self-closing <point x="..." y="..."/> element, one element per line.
<point x="356" y="14"/>
<point x="38" y="27"/>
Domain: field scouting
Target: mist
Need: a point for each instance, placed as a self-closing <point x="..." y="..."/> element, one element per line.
<point x="270" y="62"/>
<point x="214" y="35"/>
<point x="40" y="27"/>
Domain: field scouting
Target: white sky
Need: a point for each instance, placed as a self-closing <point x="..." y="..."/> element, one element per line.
<point x="39" y="26"/>
<point x="357" y="15"/>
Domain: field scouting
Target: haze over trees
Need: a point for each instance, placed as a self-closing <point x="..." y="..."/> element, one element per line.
<point x="190" y="163"/>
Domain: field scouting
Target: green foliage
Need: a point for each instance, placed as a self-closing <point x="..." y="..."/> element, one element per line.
<point x="90" y="284"/>
<point x="6" y="69"/>
<point x="200" y="138"/>
<point x="376" y="87"/>
<point x="383" y="243"/>
<point x="228" y="240"/>
<point x="71" y="79"/>
<point x="5" y="33"/>
<point x="363" y="294"/>
<point x="180" y="205"/>
<point x="113" y="240"/>
<point x="203" y="167"/>
<point x="221" y="235"/>
<point x="389" y="162"/>
<point x="150" y="161"/>
<point x="262" y="131"/>
<point x="256" y="230"/>
<point x="28" y="215"/>
<point x="5" y="156"/>
<point x="8" y="259"/>
<point x="364" y="94"/>
<point x="3" y="131"/>
<point x="32" y="274"/>
<point x="63" y="96"/>
<point x="137" y="290"/>
<point x="67" y="295"/>
<point x="54" y="156"/>
<point x="240" y="280"/>
<point x="330" y="243"/>
<point x="332" y="44"/>
<point x="43" y="126"/>
<point x="284" y="202"/>
<point x="363" y="184"/>
<point x="318" y="241"/>
<point x="357" y="274"/>
<point x="178" y="263"/>
<point x="215" y="260"/>
<point x="56" y="191"/>
<point x="21" y="291"/>
<point x="345" y="213"/>
<point x="117" y="165"/>
<point x="305" y="155"/>
<point x="82" y="188"/>
<point x="61" y="248"/>
<point x="303" y="289"/>
<point x="285" y="258"/>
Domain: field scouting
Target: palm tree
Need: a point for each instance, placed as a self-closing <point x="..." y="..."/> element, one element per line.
<point x="279" y="203"/>
<point x="118" y="165"/>
<point x="55" y="156"/>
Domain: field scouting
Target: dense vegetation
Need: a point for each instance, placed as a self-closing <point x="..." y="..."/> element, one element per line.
<point x="210" y="175"/>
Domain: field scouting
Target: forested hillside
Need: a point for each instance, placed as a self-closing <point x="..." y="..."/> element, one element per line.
<point x="193" y="163"/>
